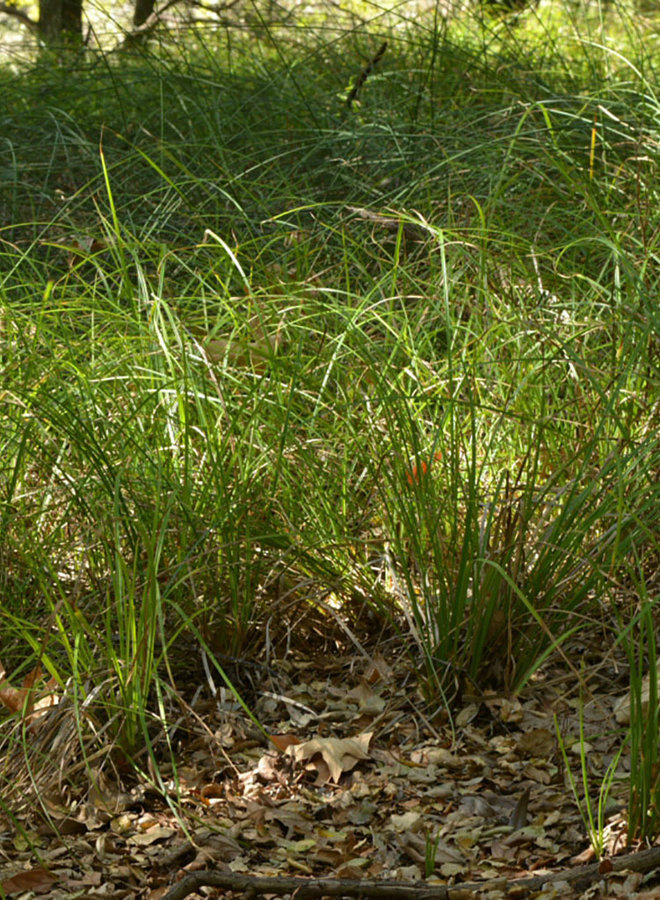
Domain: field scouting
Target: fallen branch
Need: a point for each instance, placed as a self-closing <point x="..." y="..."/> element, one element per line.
<point x="307" y="888"/>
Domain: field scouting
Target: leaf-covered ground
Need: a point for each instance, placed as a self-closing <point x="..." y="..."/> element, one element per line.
<point x="362" y="779"/>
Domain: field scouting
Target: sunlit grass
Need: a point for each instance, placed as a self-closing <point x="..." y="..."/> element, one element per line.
<point x="275" y="370"/>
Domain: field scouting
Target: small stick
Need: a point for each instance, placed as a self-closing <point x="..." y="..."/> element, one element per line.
<point x="364" y="74"/>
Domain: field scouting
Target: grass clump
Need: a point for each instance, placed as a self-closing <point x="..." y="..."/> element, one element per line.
<point x="276" y="369"/>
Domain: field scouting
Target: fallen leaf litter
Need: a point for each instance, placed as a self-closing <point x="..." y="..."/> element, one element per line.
<point x="359" y="781"/>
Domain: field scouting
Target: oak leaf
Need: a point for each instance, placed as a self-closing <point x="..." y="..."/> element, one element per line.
<point x="339" y="754"/>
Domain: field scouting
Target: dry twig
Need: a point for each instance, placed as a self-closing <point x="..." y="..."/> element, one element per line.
<point x="254" y="886"/>
<point x="364" y="74"/>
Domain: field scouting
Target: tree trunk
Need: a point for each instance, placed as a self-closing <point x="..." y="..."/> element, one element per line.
<point x="60" y="21"/>
<point x="143" y="9"/>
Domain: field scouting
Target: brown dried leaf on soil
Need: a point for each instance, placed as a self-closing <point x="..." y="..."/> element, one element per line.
<point x="339" y="754"/>
<point x="37" y="880"/>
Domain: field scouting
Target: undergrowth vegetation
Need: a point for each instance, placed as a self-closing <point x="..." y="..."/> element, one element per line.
<point x="283" y="371"/>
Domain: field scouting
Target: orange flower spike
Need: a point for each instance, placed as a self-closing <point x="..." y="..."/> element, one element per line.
<point x="414" y="475"/>
<point x="418" y="472"/>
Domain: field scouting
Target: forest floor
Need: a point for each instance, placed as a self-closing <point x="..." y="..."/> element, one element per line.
<point x="361" y="779"/>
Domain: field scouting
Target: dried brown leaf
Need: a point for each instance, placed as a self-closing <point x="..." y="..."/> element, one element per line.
<point x="37" y="880"/>
<point x="339" y="754"/>
<point x="282" y="741"/>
